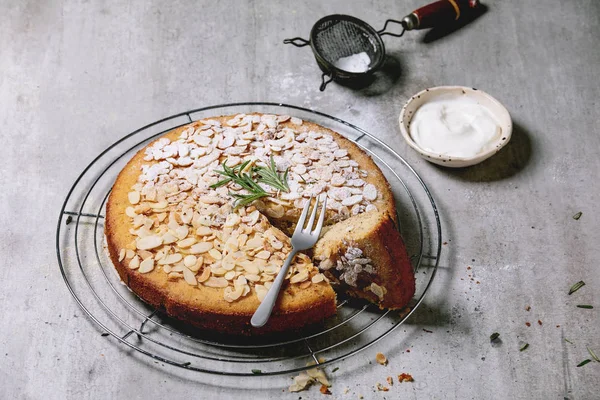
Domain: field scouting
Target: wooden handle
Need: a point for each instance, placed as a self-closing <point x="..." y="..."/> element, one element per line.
<point x="442" y="12"/>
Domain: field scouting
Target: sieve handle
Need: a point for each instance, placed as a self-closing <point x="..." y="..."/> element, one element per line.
<point x="297" y="41"/>
<point x="439" y="13"/>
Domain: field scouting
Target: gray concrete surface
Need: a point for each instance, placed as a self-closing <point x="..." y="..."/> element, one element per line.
<point x="75" y="76"/>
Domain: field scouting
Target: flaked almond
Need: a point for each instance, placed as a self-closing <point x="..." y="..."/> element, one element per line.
<point x="122" y="254"/>
<point x="146" y="266"/>
<point x="149" y="242"/>
<point x="144" y="254"/>
<point x="185" y="243"/>
<point x="204" y="231"/>
<point x="189" y="277"/>
<point x="129" y="254"/>
<point x="232" y="220"/>
<point x="263" y="255"/>
<point x="261" y="292"/>
<point x="169" y="238"/>
<point x="159" y="205"/>
<point x="317" y="278"/>
<point x="216" y="282"/>
<point x="377" y="290"/>
<point x="130" y="212"/>
<point x="381" y="359"/>
<point x="216" y="254"/>
<point x="229" y="275"/>
<point x="201" y="247"/>
<point x="134" y="197"/>
<point x="299" y="277"/>
<point x="255" y="242"/>
<point x="190" y="261"/>
<point x="182" y="231"/>
<point x="170" y="259"/>
<point x="204" y="275"/>
<point x="134" y="263"/>
<point x="305" y="284"/>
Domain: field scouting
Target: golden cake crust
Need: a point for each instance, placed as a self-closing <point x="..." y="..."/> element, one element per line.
<point x="204" y="306"/>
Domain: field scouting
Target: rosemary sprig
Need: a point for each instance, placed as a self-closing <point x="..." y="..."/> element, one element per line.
<point x="271" y="177"/>
<point x="576" y="287"/>
<point x="247" y="180"/>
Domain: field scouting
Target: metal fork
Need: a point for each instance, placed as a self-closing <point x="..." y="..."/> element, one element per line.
<point x="302" y="239"/>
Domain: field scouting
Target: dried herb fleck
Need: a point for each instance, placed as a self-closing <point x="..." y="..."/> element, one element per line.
<point x="524" y="347"/>
<point x="494" y="336"/>
<point x="256" y="371"/>
<point x="568" y="341"/>
<point x="581" y="364"/>
<point x="594" y="356"/>
<point x="586" y="306"/>
<point x="105" y="334"/>
<point x="576" y="287"/>
<point x="69" y="220"/>
<point x="335" y="369"/>
<point x="577" y="216"/>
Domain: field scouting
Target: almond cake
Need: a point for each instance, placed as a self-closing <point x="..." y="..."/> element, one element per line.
<point x="205" y="249"/>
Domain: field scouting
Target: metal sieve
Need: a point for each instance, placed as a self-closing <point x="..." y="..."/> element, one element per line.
<point x="337" y="36"/>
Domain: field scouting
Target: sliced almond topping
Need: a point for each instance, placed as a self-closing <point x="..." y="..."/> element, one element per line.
<point x="144" y="254"/>
<point x="299" y="277"/>
<point x="146" y="266"/>
<point x="232" y="220"/>
<point x="190" y="261"/>
<point x="134" y="263"/>
<point x="185" y="243"/>
<point x="261" y="292"/>
<point x="204" y="231"/>
<point x="149" y="242"/>
<point x="255" y="242"/>
<point x="170" y="259"/>
<point x="216" y="282"/>
<point x="169" y="238"/>
<point x="263" y="255"/>
<point x="305" y="284"/>
<point x="129" y="254"/>
<point x="160" y="205"/>
<point x="352" y="200"/>
<point x="130" y="212"/>
<point x="189" y="277"/>
<point x="377" y="290"/>
<point x="182" y="232"/>
<point x="216" y="254"/>
<point x="317" y="278"/>
<point x="201" y="247"/>
<point x="122" y="254"/>
<point x="204" y="276"/>
<point x="134" y="197"/>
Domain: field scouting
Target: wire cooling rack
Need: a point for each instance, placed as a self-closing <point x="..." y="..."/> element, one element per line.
<point x="121" y="315"/>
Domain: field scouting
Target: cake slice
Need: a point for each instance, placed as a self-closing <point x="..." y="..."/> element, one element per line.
<point x="366" y="257"/>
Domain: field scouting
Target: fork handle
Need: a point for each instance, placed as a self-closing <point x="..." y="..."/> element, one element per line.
<point x="264" y="310"/>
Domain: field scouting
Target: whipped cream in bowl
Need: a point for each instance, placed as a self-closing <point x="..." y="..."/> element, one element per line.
<point x="455" y="126"/>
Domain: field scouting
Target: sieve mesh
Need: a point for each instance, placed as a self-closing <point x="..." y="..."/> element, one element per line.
<point x="336" y="38"/>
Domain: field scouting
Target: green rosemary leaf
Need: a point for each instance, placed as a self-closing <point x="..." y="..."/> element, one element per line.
<point x="576" y="287"/>
<point x="256" y="371"/>
<point x="568" y="341"/>
<point x="494" y="336"/>
<point x="581" y="364"/>
<point x="335" y="369"/>
<point x="271" y="177"/>
<point x="524" y="347"/>
<point x="594" y="356"/>
<point x="586" y="306"/>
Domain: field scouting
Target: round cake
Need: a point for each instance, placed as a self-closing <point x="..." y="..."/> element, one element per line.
<point x="198" y="224"/>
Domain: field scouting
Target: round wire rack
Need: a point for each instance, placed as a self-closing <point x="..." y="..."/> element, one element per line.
<point x="120" y="314"/>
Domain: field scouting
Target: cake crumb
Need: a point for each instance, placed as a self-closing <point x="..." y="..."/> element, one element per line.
<point x="528" y="324"/>
<point x="389" y="380"/>
<point x="527" y="308"/>
<point x="346" y="390"/>
<point x="381" y="359"/>
<point x="382" y="388"/>
<point x="325" y="390"/>
<point x="404" y="377"/>
<point x="539" y="322"/>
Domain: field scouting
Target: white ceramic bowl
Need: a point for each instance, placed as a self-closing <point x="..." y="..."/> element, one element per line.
<point x="496" y="108"/>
